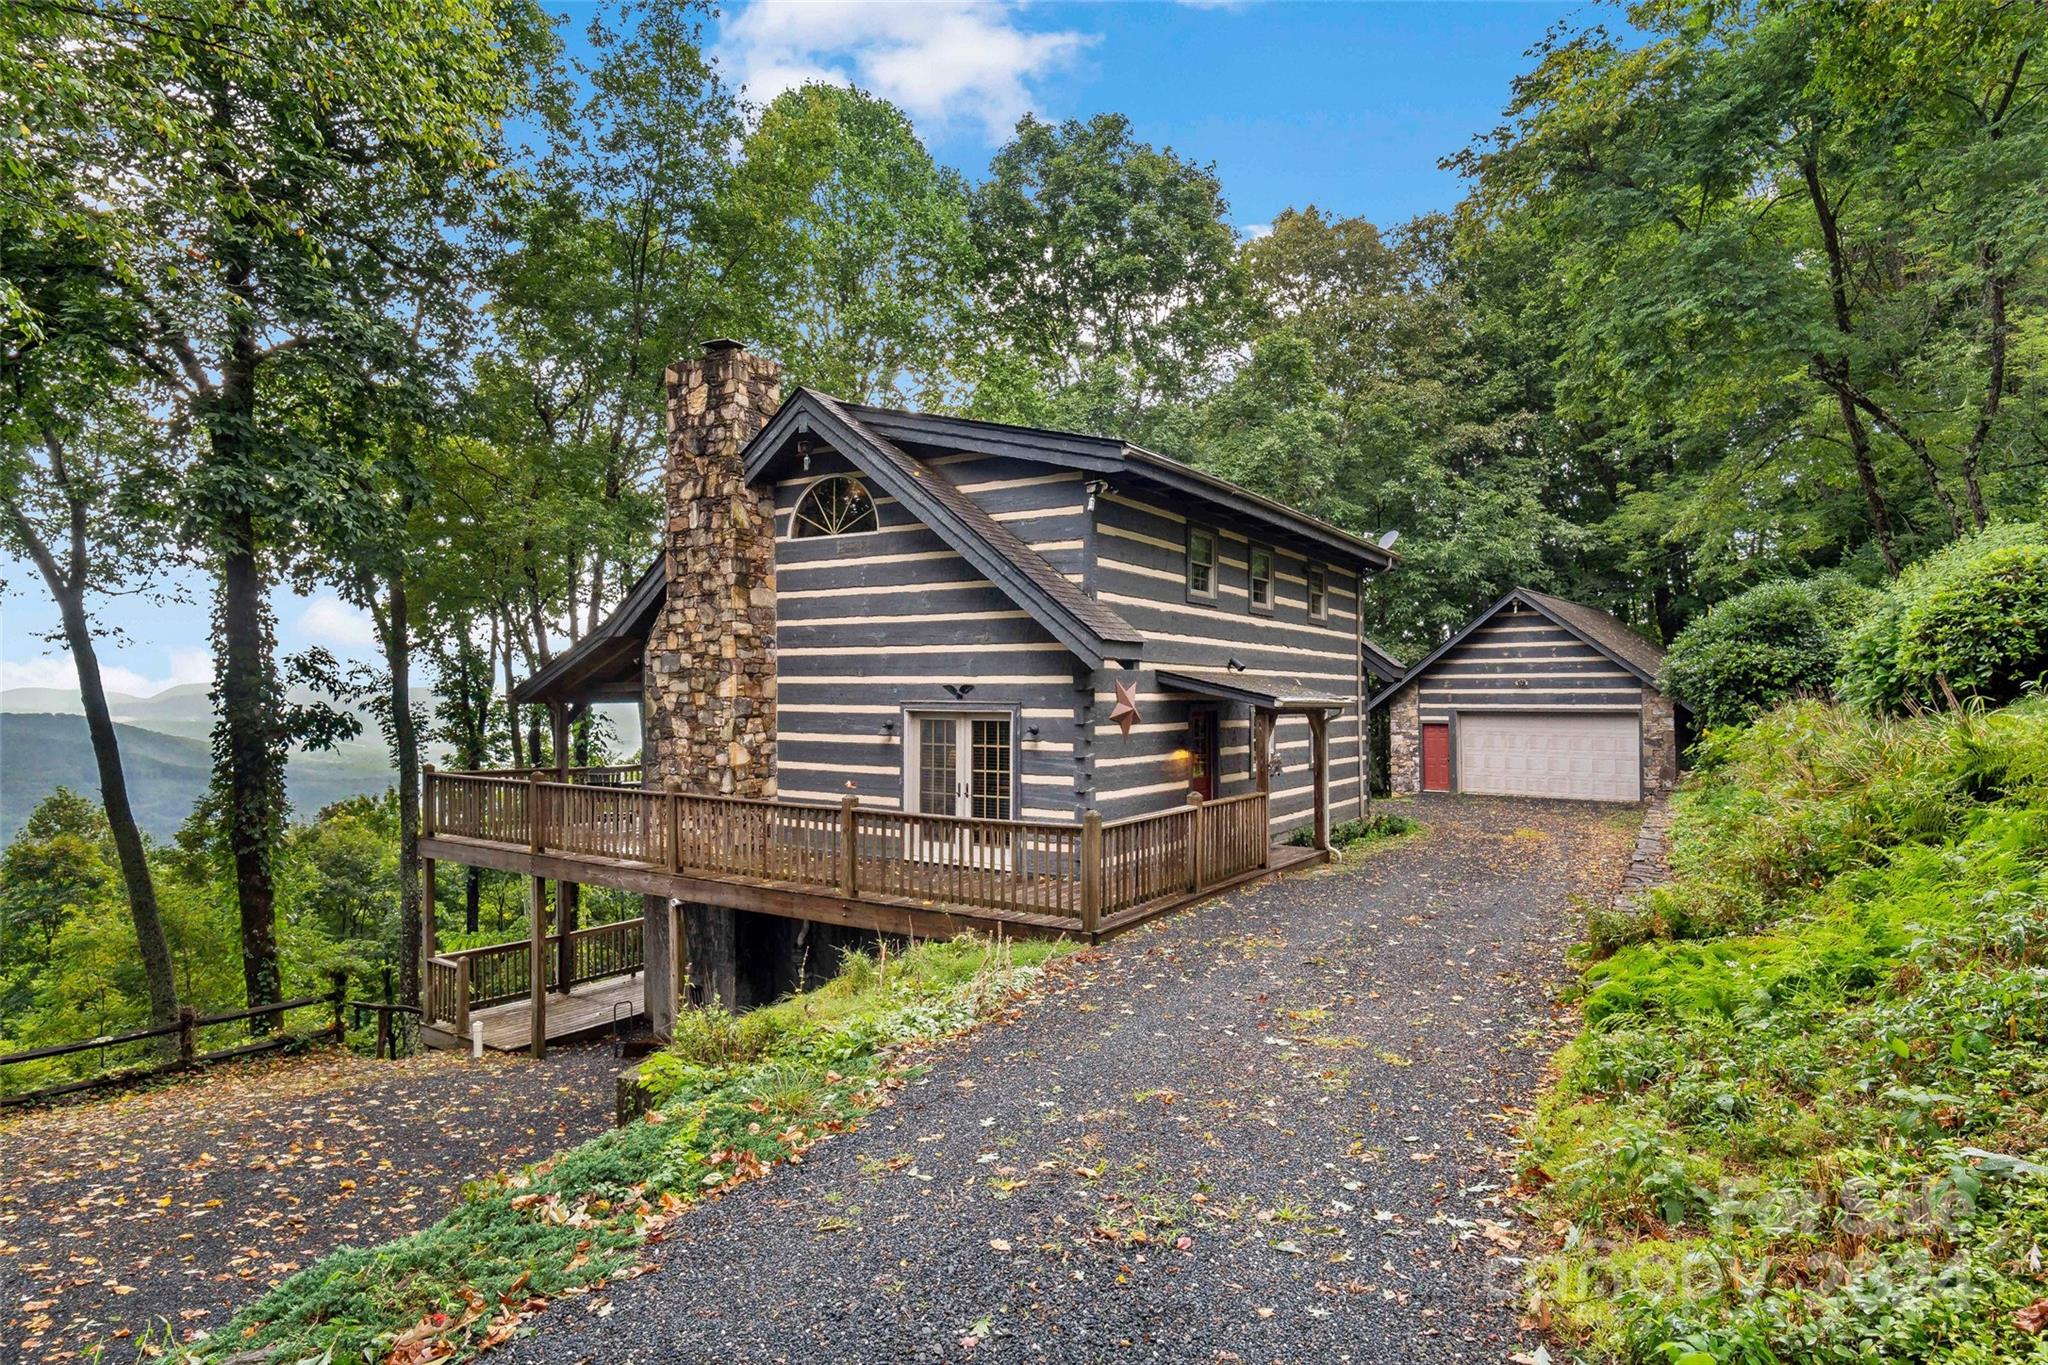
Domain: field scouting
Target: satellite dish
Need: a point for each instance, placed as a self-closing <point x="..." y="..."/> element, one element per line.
<point x="1386" y="542"/>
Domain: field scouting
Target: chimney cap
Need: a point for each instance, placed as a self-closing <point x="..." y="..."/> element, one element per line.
<point x="723" y="344"/>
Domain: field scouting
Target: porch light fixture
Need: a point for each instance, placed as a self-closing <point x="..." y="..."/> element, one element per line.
<point x="889" y="728"/>
<point x="1095" y="487"/>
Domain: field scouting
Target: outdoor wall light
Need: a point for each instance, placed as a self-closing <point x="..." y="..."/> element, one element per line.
<point x="1096" y="487"/>
<point x="889" y="728"/>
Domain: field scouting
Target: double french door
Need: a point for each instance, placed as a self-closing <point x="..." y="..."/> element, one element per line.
<point x="963" y="766"/>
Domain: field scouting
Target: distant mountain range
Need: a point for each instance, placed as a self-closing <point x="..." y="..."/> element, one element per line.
<point x="167" y="754"/>
<point x="167" y="773"/>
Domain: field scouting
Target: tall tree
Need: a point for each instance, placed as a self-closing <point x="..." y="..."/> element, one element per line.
<point x="1754" y="224"/>
<point x="1108" y="271"/>
<point x="275" y="182"/>
<point x="84" y="467"/>
<point x="865" y="245"/>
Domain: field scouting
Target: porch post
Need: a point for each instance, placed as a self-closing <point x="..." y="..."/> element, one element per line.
<point x="1262" y="748"/>
<point x="558" y="727"/>
<point x="537" y="964"/>
<point x="1319" y="757"/>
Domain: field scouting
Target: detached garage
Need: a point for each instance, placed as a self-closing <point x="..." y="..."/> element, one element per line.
<point x="1538" y="696"/>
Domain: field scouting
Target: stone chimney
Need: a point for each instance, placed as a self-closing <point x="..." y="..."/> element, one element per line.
<point x="710" y="668"/>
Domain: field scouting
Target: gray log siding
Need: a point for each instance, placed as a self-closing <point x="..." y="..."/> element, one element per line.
<point x="1522" y="662"/>
<point x="1139" y="570"/>
<point x="873" y="626"/>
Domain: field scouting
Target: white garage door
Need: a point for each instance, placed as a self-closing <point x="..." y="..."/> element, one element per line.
<point x="1590" y="756"/>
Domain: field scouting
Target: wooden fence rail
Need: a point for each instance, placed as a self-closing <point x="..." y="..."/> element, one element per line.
<point x="186" y="1031"/>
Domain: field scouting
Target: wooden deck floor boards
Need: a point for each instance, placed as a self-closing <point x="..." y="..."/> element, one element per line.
<point x="587" y="1009"/>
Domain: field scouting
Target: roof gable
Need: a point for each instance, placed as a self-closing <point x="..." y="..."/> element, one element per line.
<point x="1091" y="630"/>
<point x="1597" y="629"/>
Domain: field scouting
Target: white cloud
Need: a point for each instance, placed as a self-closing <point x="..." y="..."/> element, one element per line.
<point x="942" y="63"/>
<point x="1251" y="232"/>
<point x="328" y="620"/>
<point x="58" y="671"/>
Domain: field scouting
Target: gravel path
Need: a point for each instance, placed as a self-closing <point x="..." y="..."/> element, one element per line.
<point x="1275" y="1128"/>
<point x="127" y="1220"/>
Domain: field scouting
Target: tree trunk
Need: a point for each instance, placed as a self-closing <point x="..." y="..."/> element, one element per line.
<point x="405" y="741"/>
<point x="1836" y="374"/>
<point x="254" y="779"/>
<point x="472" y="897"/>
<point x="68" y="590"/>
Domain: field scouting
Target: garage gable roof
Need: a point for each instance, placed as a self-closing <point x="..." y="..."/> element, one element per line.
<point x="1597" y="629"/>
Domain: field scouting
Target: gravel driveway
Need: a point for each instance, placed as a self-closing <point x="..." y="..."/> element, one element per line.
<point x="127" y="1221"/>
<point x="1274" y="1128"/>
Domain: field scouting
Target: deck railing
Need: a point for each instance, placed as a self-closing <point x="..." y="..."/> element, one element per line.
<point x="475" y="978"/>
<point x="1081" y="874"/>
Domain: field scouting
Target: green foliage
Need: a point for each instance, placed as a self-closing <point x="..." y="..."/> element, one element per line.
<point x="867" y="245"/>
<point x="1776" y="641"/>
<point x="1968" y="623"/>
<point x="1107" y="265"/>
<point x="1380" y="825"/>
<point x="732" y="1097"/>
<point x="1814" y="1129"/>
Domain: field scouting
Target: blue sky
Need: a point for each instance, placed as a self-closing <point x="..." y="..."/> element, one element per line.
<point x="1346" y="106"/>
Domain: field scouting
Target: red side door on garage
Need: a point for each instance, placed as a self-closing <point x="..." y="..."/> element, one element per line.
<point x="1436" y="758"/>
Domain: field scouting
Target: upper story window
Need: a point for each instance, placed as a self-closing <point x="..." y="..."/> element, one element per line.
<point x="1261" y="561"/>
<point x="838" y="506"/>
<point x="1318" y="592"/>
<point x="1201" y="563"/>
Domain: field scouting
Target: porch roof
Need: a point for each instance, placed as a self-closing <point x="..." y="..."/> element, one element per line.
<point x="1272" y="691"/>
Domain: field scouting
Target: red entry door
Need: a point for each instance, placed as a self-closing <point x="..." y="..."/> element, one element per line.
<point x="1202" y="753"/>
<point x="1436" y="758"/>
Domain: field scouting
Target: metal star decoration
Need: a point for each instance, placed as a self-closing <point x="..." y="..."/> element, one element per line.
<point x="1125" y="712"/>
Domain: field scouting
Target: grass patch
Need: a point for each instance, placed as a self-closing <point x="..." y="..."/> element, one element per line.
<point x="1804" y="1119"/>
<point x="733" y="1096"/>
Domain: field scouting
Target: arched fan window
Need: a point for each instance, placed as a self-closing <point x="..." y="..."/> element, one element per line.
<point x="838" y="506"/>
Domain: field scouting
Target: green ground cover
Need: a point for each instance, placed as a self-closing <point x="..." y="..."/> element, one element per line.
<point x="732" y="1097"/>
<point x="1807" y="1115"/>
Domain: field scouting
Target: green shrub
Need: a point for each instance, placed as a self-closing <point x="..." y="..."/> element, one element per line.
<point x="1380" y="825"/>
<point x="1817" y="1128"/>
<point x="1973" y="617"/>
<point x="1777" y="641"/>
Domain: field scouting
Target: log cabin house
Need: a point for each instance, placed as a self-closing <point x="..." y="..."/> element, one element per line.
<point x="906" y="673"/>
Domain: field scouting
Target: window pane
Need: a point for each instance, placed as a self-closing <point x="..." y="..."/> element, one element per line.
<point x="1316" y="588"/>
<point x="991" y="769"/>
<point x="837" y="506"/>
<point x="1201" y="562"/>
<point x="935" y="766"/>
<point x="1262" y="577"/>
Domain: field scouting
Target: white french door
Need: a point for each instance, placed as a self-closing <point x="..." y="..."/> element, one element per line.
<point x="961" y="766"/>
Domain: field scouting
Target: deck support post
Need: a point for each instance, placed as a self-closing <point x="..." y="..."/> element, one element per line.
<point x="430" y="930"/>
<point x="1319" y="758"/>
<point x="1091" y="874"/>
<point x="565" y="927"/>
<point x="660" y="950"/>
<point x="537" y="963"/>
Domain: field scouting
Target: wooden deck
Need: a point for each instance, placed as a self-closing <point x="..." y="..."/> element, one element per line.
<point x="587" y="1009"/>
